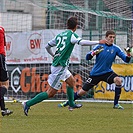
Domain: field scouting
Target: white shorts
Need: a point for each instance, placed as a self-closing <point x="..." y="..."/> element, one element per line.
<point x="57" y="76"/>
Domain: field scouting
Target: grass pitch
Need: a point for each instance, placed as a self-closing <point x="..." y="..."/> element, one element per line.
<point x="46" y="117"/>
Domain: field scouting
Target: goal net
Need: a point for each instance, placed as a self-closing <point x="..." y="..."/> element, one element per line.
<point x="29" y="24"/>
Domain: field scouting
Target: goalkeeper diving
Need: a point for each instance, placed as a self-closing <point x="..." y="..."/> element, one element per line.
<point x="102" y="71"/>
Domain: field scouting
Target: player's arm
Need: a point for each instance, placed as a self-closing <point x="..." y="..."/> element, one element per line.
<point x="2" y="37"/>
<point x="80" y="41"/>
<point x="94" y="52"/>
<point x="89" y="43"/>
<point x="125" y="57"/>
<point x="128" y="52"/>
<point x="49" y="45"/>
<point x="4" y="41"/>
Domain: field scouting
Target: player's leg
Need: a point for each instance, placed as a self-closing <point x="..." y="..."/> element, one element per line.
<point x="69" y="79"/>
<point x="4" y="85"/>
<point x="77" y="95"/>
<point x="3" y="90"/>
<point x="91" y="81"/>
<point x="70" y="93"/>
<point x="55" y="81"/>
<point x="114" y="78"/>
<point x="118" y="82"/>
<point x="38" y="98"/>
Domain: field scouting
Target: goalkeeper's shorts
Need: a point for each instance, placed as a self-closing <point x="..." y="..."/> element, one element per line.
<point x="94" y="80"/>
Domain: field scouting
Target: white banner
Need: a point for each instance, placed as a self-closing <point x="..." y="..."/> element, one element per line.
<point x="29" y="47"/>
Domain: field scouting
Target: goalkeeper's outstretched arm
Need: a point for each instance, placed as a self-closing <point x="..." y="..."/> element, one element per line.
<point x="128" y="52"/>
<point x="92" y="53"/>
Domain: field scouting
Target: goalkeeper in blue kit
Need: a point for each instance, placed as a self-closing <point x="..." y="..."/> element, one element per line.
<point x="105" y="56"/>
<point x="64" y="43"/>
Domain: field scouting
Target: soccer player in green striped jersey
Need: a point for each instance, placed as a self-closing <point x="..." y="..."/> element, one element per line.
<point x="64" y="43"/>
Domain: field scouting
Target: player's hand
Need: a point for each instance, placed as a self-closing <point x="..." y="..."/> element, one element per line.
<point x="97" y="51"/>
<point x="103" y="42"/>
<point x="128" y="50"/>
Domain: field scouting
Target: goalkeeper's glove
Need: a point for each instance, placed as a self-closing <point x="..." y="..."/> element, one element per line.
<point x="128" y="50"/>
<point x="97" y="51"/>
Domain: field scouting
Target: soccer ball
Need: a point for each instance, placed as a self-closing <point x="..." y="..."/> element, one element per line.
<point x="14" y="100"/>
<point x="131" y="51"/>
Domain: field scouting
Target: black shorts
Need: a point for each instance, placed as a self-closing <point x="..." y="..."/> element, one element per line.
<point x="94" y="80"/>
<point x="3" y="69"/>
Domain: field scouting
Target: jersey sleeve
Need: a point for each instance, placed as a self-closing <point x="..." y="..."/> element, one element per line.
<point x="75" y="38"/>
<point x="2" y="36"/>
<point x="122" y="55"/>
<point x="52" y="42"/>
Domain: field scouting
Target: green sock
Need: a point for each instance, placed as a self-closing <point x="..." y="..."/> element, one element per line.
<point x="70" y="95"/>
<point x="38" y="98"/>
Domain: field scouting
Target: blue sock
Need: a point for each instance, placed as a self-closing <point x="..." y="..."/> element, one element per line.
<point x="117" y="94"/>
<point x="76" y="96"/>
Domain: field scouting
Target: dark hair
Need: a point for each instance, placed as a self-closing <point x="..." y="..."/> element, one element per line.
<point x="110" y="32"/>
<point x="72" y="22"/>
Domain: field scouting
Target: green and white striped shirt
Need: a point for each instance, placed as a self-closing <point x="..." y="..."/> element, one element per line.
<point x="64" y="42"/>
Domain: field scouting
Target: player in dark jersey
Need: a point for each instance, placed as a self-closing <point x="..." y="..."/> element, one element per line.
<point x="4" y="78"/>
<point x="105" y="56"/>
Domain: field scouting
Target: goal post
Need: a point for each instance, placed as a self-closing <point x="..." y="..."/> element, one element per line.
<point x="29" y="24"/>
